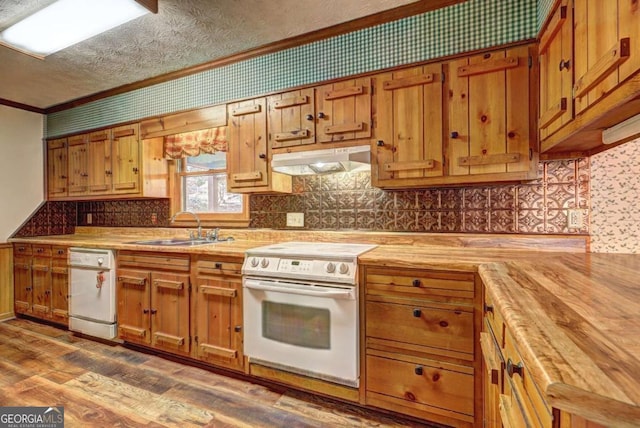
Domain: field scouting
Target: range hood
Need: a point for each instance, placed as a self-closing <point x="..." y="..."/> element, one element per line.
<point x="345" y="159"/>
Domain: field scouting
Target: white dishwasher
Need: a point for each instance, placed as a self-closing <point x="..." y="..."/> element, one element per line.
<point x="92" y="302"/>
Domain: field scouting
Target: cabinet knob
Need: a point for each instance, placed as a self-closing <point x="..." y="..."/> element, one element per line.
<point x="145" y="311"/>
<point x="488" y="308"/>
<point x="564" y="65"/>
<point x="455" y="134"/>
<point x="416" y="283"/>
<point x="135" y="170"/>
<point x="28" y="288"/>
<point x="321" y="115"/>
<point x="218" y="265"/>
<point x="237" y="328"/>
<point x="380" y="143"/>
<point x="514" y="369"/>
<point x="418" y="370"/>
<point x="309" y="117"/>
<point x="64" y="177"/>
<point x="262" y="156"/>
<point x="107" y="172"/>
<point x="154" y="311"/>
<point x="417" y="313"/>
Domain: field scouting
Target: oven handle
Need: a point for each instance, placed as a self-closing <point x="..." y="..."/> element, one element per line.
<point x="306" y="291"/>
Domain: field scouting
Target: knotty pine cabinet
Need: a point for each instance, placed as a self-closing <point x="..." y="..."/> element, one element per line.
<point x="109" y="163"/>
<point x="217" y="311"/>
<point x="409" y="126"/>
<point x="331" y="113"/>
<point x="419" y="353"/>
<point x="249" y="155"/>
<point x="153" y="300"/>
<point x="41" y="282"/>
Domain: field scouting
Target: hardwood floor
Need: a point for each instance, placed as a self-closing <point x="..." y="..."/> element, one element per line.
<point x="101" y="385"/>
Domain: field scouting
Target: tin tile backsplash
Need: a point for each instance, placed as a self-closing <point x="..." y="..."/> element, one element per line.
<point x="348" y="202"/>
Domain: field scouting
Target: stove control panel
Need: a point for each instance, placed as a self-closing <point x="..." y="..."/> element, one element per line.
<point x="321" y="270"/>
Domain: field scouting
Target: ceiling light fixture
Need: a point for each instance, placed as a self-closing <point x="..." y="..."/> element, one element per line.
<point x="622" y="132"/>
<point x="67" y="22"/>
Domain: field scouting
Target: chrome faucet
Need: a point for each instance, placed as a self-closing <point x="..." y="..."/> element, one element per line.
<point x="213" y="234"/>
<point x="173" y="218"/>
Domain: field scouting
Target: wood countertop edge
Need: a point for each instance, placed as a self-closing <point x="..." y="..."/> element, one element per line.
<point x="564" y="388"/>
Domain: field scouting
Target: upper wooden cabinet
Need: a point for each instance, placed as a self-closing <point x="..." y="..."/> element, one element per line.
<point x="108" y="163"/>
<point x="475" y="127"/>
<point x="249" y="156"/>
<point x="556" y="71"/>
<point x="409" y="124"/>
<point x="343" y="111"/>
<point x="587" y="45"/>
<point x="291" y="118"/>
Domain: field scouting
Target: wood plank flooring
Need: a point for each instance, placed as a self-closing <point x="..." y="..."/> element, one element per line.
<point x="101" y="385"/>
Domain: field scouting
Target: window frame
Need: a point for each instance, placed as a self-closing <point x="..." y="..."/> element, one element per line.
<point x="206" y="219"/>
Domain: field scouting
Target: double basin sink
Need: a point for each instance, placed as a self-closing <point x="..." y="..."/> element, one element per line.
<point x="177" y="242"/>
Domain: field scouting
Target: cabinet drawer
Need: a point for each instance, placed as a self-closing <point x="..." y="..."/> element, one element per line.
<point x="430" y="385"/>
<point x="517" y="379"/>
<point x="421" y="325"/>
<point x="452" y="287"/>
<point x="493" y="319"/>
<point x="217" y="267"/>
<point x="41" y="250"/>
<point x="158" y="261"/>
<point x="59" y="252"/>
<point x="22" y="249"/>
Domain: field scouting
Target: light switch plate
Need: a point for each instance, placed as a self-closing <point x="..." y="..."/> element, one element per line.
<point x="295" y="219"/>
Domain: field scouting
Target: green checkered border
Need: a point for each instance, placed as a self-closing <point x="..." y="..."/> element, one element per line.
<point x="468" y="26"/>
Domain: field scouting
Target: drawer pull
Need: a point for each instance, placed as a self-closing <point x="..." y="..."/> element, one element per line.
<point x="418" y="370"/>
<point x="514" y="369"/>
<point x="416" y="283"/>
<point x="417" y="313"/>
<point x="488" y="308"/>
<point x="218" y="265"/>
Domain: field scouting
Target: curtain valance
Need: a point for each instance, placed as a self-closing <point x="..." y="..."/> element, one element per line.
<point x="193" y="143"/>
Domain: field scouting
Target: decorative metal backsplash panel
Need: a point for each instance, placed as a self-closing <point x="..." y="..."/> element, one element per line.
<point x="468" y="26"/>
<point x="51" y="218"/>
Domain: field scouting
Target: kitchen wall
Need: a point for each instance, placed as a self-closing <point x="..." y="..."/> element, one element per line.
<point x="615" y="193"/>
<point x="348" y="202"/>
<point x="21" y="167"/>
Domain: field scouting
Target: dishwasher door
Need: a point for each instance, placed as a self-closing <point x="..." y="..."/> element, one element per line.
<point x="92" y="301"/>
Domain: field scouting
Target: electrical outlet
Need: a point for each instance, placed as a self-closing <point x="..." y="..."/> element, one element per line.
<point x="575" y="219"/>
<point x="89" y="218"/>
<point x="295" y="219"/>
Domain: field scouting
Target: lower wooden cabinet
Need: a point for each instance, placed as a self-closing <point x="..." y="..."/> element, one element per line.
<point x="421" y="327"/>
<point x="217" y="311"/>
<point x="153" y="300"/>
<point x="41" y="282"/>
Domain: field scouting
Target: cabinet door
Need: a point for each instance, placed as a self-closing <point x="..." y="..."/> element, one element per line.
<point x="408" y="125"/>
<point x="601" y="48"/>
<point x="133" y="294"/>
<point x="343" y="110"/>
<point x="78" y="158"/>
<point x="247" y="159"/>
<point x="291" y="118"/>
<point x="170" y="311"/>
<point x="489" y="122"/>
<point x="23" y="289"/>
<point x="126" y="159"/>
<point x="218" y="328"/>
<point x="57" y="168"/>
<point x="556" y="71"/>
<point x="60" y="290"/>
<point x="99" y="162"/>
<point x="491" y="373"/>
<point x="41" y="279"/>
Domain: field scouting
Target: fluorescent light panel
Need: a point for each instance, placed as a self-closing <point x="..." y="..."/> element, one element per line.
<point x="67" y="22"/>
<point x="624" y="131"/>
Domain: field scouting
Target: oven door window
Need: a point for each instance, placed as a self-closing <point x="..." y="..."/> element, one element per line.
<point x="297" y="325"/>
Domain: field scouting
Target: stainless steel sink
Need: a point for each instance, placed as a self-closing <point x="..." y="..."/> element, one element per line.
<point x="173" y="242"/>
<point x="177" y="242"/>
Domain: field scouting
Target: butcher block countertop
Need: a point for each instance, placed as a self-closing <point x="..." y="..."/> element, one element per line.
<point x="575" y="316"/>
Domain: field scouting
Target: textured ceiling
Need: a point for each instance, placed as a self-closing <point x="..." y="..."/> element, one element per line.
<point x="184" y="33"/>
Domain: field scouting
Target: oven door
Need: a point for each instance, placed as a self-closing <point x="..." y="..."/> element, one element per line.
<point x="306" y="328"/>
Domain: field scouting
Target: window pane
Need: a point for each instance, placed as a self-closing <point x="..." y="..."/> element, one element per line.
<point x="208" y="194"/>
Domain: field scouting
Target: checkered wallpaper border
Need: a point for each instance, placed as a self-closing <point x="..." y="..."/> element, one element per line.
<point x="472" y="25"/>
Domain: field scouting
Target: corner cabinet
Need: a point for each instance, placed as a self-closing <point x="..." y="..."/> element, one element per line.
<point x="420" y="340"/>
<point x="249" y="156"/>
<point x="110" y="163"/>
<point x="461" y="122"/>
